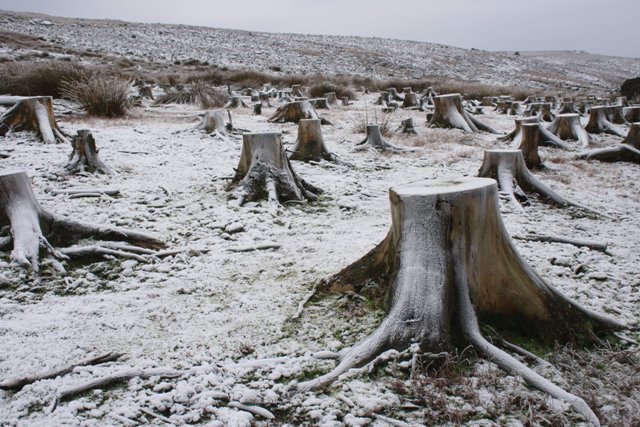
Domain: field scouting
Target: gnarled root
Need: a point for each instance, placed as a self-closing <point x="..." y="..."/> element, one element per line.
<point x="33" y="228"/>
<point x="446" y="260"/>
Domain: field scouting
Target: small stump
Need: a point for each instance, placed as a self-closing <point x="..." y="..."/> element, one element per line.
<point x="310" y="144"/>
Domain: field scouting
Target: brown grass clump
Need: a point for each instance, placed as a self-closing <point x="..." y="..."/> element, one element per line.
<point x="199" y="92"/>
<point x="40" y="79"/>
<point x="99" y="95"/>
<point x="318" y="90"/>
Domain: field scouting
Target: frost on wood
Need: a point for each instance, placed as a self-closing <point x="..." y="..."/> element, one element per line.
<point x="33" y="228"/>
<point x="264" y="172"/>
<point x="599" y="123"/>
<point x="84" y="157"/>
<point x="508" y="168"/>
<point x="296" y="111"/>
<point x="627" y="151"/>
<point x="567" y="127"/>
<point x="213" y="123"/>
<point x="375" y="140"/>
<point x="450" y="114"/>
<point x="33" y="114"/>
<point x="310" y="143"/>
<point x="446" y="262"/>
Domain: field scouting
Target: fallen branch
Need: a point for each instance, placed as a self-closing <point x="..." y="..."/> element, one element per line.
<point x="16" y="384"/>
<point x="391" y="421"/>
<point x="601" y="247"/>
<point x="261" y="247"/>
<point x="75" y="191"/>
<point x="304" y="301"/>
<point x="95" y="250"/>
<point x="154" y="415"/>
<point x="256" y="410"/>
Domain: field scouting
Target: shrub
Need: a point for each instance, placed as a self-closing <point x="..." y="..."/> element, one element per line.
<point x="40" y="79"/>
<point x="198" y="92"/>
<point x="99" y="95"/>
<point x="318" y="90"/>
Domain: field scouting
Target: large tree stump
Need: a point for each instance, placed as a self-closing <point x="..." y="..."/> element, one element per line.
<point x="33" y="114"/>
<point x="310" y="144"/>
<point x="296" y="111"/>
<point x="265" y="172"/>
<point x="599" y="123"/>
<point x="508" y="168"/>
<point x="627" y="151"/>
<point x="450" y="114"/>
<point x="84" y="157"/>
<point x="375" y="140"/>
<point x="567" y="127"/>
<point x="447" y="264"/>
<point x="614" y="114"/>
<point x="33" y="228"/>
<point x="545" y="138"/>
<point x="515" y="135"/>
<point x="529" y="145"/>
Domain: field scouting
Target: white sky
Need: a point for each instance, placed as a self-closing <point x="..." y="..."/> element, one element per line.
<point x="599" y="26"/>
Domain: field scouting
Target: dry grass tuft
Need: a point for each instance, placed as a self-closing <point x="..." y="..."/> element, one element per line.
<point x="318" y="90"/>
<point x="99" y="95"/>
<point x="40" y="79"/>
<point x="199" y="92"/>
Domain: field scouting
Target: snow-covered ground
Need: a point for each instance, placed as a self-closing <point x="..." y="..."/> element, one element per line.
<point x="212" y="310"/>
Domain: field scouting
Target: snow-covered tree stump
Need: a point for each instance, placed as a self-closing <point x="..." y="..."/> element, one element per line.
<point x="567" y="127"/>
<point x="394" y="95"/>
<point x="345" y="101"/>
<point x="406" y="126"/>
<point x="567" y="107"/>
<point x="614" y="114"/>
<point x="33" y="114"/>
<point x="508" y="168"/>
<point x="310" y="143"/>
<point x="599" y="123"/>
<point x="383" y="99"/>
<point x="265" y="172"/>
<point x="294" y="112"/>
<point x="33" y="228"/>
<point x="213" y="123"/>
<point x="627" y="151"/>
<point x="632" y="114"/>
<point x="296" y="91"/>
<point x="448" y="264"/>
<point x="410" y="100"/>
<point x="235" y="102"/>
<point x="515" y="135"/>
<point x="331" y="98"/>
<point x="265" y="99"/>
<point x="84" y="157"/>
<point x="450" y="114"/>
<point x="375" y="140"/>
<point x="529" y="145"/>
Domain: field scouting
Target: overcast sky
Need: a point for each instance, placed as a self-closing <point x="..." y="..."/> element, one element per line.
<point x="610" y="27"/>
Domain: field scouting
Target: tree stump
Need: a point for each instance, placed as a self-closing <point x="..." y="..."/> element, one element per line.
<point x="265" y="172"/>
<point x="383" y="99"/>
<point x="310" y="144"/>
<point x="33" y="228"/>
<point x="516" y="134"/>
<point x="621" y="100"/>
<point x="449" y="113"/>
<point x="345" y="101"/>
<point x="394" y="95"/>
<point x="529" y="145"/>
<point x="567" y="126"/>
<point x="320" y="103"/>
<point x="296" y="111"/>
<point x="614" y="114"/>
<point x="567" y="107"/>
<point x="84" y="157"/>
<point x="331" y="98"/>
<point x="265" y="99"/>
<point x="406" y="126"/>
<point x="599" y="123"/>
<point x="627" y="151"/>
<point x="448" y="264"/>
<point x="410" y="100"/>
<point x="296" y="91"/>
<point x="235" y="102"/>
<point x="257" y="109"/>
<point x="508" y="168"/>
<point x="375" y="140"/>
<point x="145" y="92"/>
<point x="213" y="123"/>
<point x="33" y="114"/>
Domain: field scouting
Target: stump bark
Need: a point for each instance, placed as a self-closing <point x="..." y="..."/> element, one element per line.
<point x="264" y="172"/>
<point x="448" y="264"/>
<point x="33" y="228"/>
<point x="567" y="127"/>
<point x="294" y="112"/>
<point x="529" y="145"/>
<point x="508" y="168"/>
<point x="375" y="140"/>
<point x="310" y="144"/>
<point x="410" y="100"/>
<point x="450" y="114"/>
<point x="614" y="114"/>
<point x="599" y="123"/>
<point x="213" y="122"/>
<point x="632" y="114"/>
<point x="34" y="114"/>
<point x="627" y="151"/>
<point x="84" y="155"/>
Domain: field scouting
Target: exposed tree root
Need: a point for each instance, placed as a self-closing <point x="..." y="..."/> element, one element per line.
<point x="33" y="228"/>
<point x="627" y="151"/>
<point x="509" y="169"/>
<point x="375" y="140"/>
<point x="450" y="114"/>
<point x="599" y="123"/>
<point x="600" y="247"/>
<point x="447" y="260"/>
<point x="567" y="127"/>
